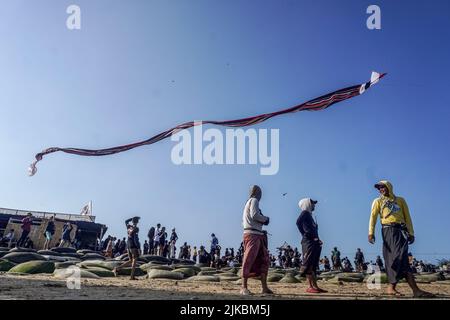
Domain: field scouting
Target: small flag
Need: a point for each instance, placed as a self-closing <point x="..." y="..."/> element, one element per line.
<point x="87" y="209"/>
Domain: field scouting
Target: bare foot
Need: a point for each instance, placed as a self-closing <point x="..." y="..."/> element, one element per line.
<point x="393" y="292"/>
<point x="245" y="292"/>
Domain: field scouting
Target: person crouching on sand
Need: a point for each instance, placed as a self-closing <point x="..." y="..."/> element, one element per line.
<point x="256" y="254"/>
<point x="311" y="244"/>
<point x="397" y="231"/>
<point x="133" y="246"/>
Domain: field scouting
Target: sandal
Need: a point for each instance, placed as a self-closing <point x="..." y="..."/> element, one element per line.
<point x="312" y="290"/>
<point x="424" y="294"/>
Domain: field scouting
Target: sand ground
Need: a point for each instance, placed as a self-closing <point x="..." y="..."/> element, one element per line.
<point x="45" y="287"/>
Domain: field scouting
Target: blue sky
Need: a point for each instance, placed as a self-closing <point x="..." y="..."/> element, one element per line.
<point x="138" y="68"/>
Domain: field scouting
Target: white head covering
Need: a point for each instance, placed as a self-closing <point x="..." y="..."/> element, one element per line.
<point x="306" y="204"/>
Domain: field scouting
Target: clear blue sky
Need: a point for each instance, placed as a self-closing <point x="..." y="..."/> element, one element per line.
<point x="140" y="67"/>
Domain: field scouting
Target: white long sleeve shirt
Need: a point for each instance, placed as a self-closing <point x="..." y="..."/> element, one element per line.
<point x="252" y="219"/>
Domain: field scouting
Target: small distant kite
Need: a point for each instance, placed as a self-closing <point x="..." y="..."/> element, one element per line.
<point x="284" y="194"/>
<point x="316" y="104"/>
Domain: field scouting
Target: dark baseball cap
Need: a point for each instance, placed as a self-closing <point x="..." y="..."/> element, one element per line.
<point x="379" y="184"/>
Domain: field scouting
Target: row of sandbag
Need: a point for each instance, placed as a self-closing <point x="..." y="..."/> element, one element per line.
<point x="28" y="261"/>
<point x="59" y="254"/>
<point x="336" y="277"/>
<point x="20" y="255"/>
<point x="155" y="270"/>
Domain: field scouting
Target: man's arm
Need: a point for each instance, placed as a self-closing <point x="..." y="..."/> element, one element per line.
<point x="373" y="216"/>
<point x="299" y="224"/>
<point x="407" y="216"/>
<point x="128" y="221"/>
<point x="255" y="212"/>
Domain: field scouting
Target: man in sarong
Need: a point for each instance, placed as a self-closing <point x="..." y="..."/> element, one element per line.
<point x="256" y="253"/>
<point x="397" y="232"/>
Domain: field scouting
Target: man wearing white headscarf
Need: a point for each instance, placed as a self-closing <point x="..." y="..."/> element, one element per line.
<point x="311" y="244"/>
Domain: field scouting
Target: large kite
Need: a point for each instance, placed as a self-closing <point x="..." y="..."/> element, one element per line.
<point x="316" y="104"/>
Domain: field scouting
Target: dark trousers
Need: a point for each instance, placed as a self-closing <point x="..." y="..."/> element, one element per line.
<point x="24" y="235"/>
<point x="395" y="252"/>
<point x="311" y="256"/>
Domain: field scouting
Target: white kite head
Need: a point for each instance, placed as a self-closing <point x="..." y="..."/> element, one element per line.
<point x="374" y="78"/>
<point x="32" y="169"/>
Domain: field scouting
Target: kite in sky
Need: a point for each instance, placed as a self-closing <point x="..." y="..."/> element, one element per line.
<point x="316" y="104"/>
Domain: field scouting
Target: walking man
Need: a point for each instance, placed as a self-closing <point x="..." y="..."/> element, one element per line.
<point x="256" y="254"/>
<point x="397" y="232"/>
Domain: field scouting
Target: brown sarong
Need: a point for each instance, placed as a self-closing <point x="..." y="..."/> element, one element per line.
<point x="256" y="256"/>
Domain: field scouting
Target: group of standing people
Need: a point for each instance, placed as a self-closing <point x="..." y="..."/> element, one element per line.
<point x="397" y="234"/>
<point x="66" y="238"/>
<point x="26" y="224"/>
<point x="158" y="242"/>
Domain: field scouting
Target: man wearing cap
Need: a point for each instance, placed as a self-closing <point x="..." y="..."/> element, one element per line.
<point x="397" y="231"/>
<point x="311" y="244"/>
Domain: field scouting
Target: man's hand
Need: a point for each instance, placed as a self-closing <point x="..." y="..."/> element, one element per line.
<point x="411" y="239"/>
<point x="267" y="221"/>
<point x="371" y="238"/>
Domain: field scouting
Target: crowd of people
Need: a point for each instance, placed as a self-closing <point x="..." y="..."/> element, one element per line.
<point x="158" y="243"/>
<point x="253" y="253"/>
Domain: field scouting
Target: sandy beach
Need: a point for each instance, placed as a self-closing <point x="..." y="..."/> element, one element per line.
<point x="45" y="287"/>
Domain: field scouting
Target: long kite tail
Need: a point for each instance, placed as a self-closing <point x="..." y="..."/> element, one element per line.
<point x="316" y="104"/>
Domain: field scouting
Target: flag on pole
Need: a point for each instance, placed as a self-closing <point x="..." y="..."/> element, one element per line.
<point x="87" y="209"/>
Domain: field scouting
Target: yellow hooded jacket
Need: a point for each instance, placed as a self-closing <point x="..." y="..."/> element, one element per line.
<point x="391" y="209"/>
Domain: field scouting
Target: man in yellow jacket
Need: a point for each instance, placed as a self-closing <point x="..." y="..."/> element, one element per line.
<point x="397" y="231"/>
